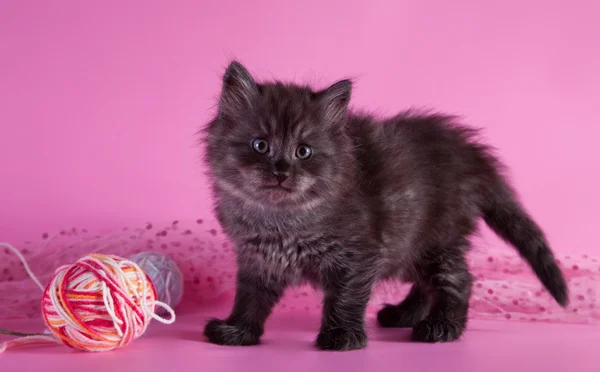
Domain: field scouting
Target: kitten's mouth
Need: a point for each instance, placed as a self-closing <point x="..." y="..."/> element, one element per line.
<point x="279" y="188"/>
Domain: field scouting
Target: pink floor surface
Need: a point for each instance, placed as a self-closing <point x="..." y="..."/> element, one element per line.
<point x="287" y="346"/>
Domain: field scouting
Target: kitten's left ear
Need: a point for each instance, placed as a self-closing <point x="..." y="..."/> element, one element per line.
<point x="335" y="100"/>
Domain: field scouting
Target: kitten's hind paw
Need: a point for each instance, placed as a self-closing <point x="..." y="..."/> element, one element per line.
<point x="220" y="333"/>
<point x="338" y="339"/>
<point x="438" y="330"/>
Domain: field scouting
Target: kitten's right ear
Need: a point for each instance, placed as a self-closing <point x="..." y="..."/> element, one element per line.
<point x="239" y="88"/>
<point x="334" y="101"/>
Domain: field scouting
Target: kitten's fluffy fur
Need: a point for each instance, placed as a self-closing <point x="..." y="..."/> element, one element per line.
<point x="396" y="198"/>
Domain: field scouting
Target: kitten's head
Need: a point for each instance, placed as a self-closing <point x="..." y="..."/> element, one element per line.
<point x="279" y="145"/>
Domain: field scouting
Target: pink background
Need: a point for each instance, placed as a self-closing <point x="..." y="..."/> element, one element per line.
<point x="100" y="101"/>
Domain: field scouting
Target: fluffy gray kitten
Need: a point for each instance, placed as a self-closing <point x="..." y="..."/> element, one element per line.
<point x="311" y="192"/>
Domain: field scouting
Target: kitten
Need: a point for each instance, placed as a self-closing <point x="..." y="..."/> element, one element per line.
<point x="311" y="192"/>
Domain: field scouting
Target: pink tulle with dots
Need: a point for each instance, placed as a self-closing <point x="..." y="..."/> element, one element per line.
<point x="505" y="287"/>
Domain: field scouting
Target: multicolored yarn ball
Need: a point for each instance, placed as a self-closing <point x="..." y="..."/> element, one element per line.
<point x="100" y="303"/>
<point x="164" y="274"/>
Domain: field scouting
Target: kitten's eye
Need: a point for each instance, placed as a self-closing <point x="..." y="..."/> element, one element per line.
<point x="260" y="146"/>
<point x="303" y="152"/>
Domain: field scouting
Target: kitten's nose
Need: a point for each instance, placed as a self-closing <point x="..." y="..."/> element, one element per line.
<point x="281" y="176"/>
<point x="281" y="170"/>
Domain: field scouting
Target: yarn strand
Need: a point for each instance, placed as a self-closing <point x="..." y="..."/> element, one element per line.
<point x="19" y="334"/>
<point x="25" y="264"/>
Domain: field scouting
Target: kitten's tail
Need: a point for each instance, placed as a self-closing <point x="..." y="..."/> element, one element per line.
<point x="505" y="215"/>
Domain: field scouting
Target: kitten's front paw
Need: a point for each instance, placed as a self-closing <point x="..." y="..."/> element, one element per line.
<point x="341" y="340"/>
<point x="438" y="330"/>
<point x="220" y="333"/>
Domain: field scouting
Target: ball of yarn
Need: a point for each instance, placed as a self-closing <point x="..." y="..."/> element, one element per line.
<point x="100" y="303"/>
<point x="164" y="274"/>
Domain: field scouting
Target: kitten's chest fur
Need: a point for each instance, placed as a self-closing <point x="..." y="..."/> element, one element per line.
<point x="290" y="250"/>
<point x="292" y="258"/>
